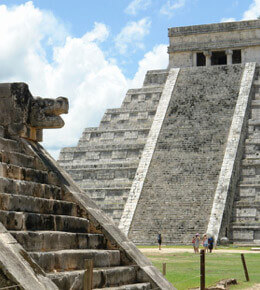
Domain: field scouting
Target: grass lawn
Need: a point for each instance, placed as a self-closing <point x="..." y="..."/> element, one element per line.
<point x="183" y="269"/>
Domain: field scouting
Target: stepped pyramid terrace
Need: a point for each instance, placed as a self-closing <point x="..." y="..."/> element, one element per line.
<point x="48" y="225"/>
<point x="181" y="154"/>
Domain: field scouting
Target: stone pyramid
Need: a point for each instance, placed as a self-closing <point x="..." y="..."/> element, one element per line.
<point x="170" y="183"/>
<point x="180" y="156"/>
<point x="48" y="226"/>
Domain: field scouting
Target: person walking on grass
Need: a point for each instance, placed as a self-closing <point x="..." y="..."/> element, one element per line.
<point x="205" y="243"/>
<point x="159" y="240"/>
<point x="210" y="244"/>
<point x="197" y="243"/>
<point x="193" y="243"/>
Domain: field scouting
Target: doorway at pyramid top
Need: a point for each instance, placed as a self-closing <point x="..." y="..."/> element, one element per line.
<point x="218" y="57"/>
<point x="226" y="57"/>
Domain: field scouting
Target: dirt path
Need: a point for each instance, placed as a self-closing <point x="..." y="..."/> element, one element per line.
<point x="255" y="287"/>
<point x="182" y="250"/>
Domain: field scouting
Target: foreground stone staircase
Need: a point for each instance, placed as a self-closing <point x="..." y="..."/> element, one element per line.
<point x="58" y="226"/>
<point x="246" y="211"/>
<point x="54" y="231"/>
<point x="106" y="159"/>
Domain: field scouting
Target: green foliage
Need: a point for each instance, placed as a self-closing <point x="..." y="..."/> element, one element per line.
<point x="183" y="269"/>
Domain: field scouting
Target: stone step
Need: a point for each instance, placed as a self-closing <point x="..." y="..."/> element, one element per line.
<point x="21" y="203"/>
<point x="16" y="158"/>
<point x="244" y="212"/>
<point x="251" y="156"/>
<point x="126" y="124"/>
<point x="254" y="122"/>
<point x="20" y="159"/>
<point x="148" y="95"/>
<point x="248" y="171"/>
<point x="116" y="115"/>
<point x="113" y="183"/>
<point x="134" y="112"/>
<point x="155" y="77"/>
<point x="113" y="205"/>
<point x="253" y="132"/>
<point x="43" y="222"/>
<point x="141" y="99"/>
<point x="252" y="141"/>
<point x="255" y="104"/>
<point x="28" y="174"/>
<point x="102" y="147"/>
<point x="137" y="286"/>
<point x="102" y="174"/>
<point x="256" y="82"/>
<point x="252" y="225"/>
<point x="247" y="191"/>
<point x="156" y="90"/>
<point x="257" y="94"/>
<point x="104" y="165"/>
<point x="255" y="162"/>
<point x="102" y="277"/>
<point x="67" y="260"/>
<point x="244" y="236"/>
<point x="253" y="179"/>
<point x="30" y="188"/>
<point x="44" y="241"/>
<point x="101" y="193"/>
<point x="131" y="140"/>
<point x="252" y="149"/>
<point x="9" y="145"/>
<point x="140" y="105"/>
<point x="247" y="204"/>
<point x="99" y="134"/>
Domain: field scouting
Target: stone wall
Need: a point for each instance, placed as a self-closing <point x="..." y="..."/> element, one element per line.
<point x="186" y="41"/>
<point x="188" y="156"/>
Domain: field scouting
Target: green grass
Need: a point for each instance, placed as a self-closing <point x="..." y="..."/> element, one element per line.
<point x="183" y="269"/>
<point x="229" y="247"/>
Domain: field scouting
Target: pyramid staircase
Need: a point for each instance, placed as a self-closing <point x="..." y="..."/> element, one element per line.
<point x="106" y="158"/>
<point x="59" y="227"/>
<point x="246" y="210"/>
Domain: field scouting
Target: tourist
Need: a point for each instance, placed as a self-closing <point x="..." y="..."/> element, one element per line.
<point x="193" y="243"/>
<point x="197" y="242"/>
<point x="210" y="244"/>
<point x="159" y="239"/>
<point x="205" y="243"/>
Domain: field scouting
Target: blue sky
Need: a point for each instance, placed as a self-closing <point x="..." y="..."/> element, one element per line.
<point x="93" y="51"/>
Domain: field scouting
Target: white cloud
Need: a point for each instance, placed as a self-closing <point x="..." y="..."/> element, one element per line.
<point x="231" y="19"/>
<point x="171" y="6"/>
<point x="253" y="11"/>
<point x="137" y="5"/>
<point x="131" y="36"/>
<point x="156" y="59"/>
<point x="78" y="68"/>
<point x="99" y="33"/>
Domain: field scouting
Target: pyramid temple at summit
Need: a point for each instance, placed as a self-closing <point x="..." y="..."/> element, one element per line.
<point x="182" y="153"/>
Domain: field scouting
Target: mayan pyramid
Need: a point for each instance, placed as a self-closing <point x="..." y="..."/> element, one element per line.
<point x="48" y="226"/>
<point x="181" y="154"/>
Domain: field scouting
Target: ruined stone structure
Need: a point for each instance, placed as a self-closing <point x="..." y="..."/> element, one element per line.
<point x="181" y="154"/>
<point x="48" y="226"/>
